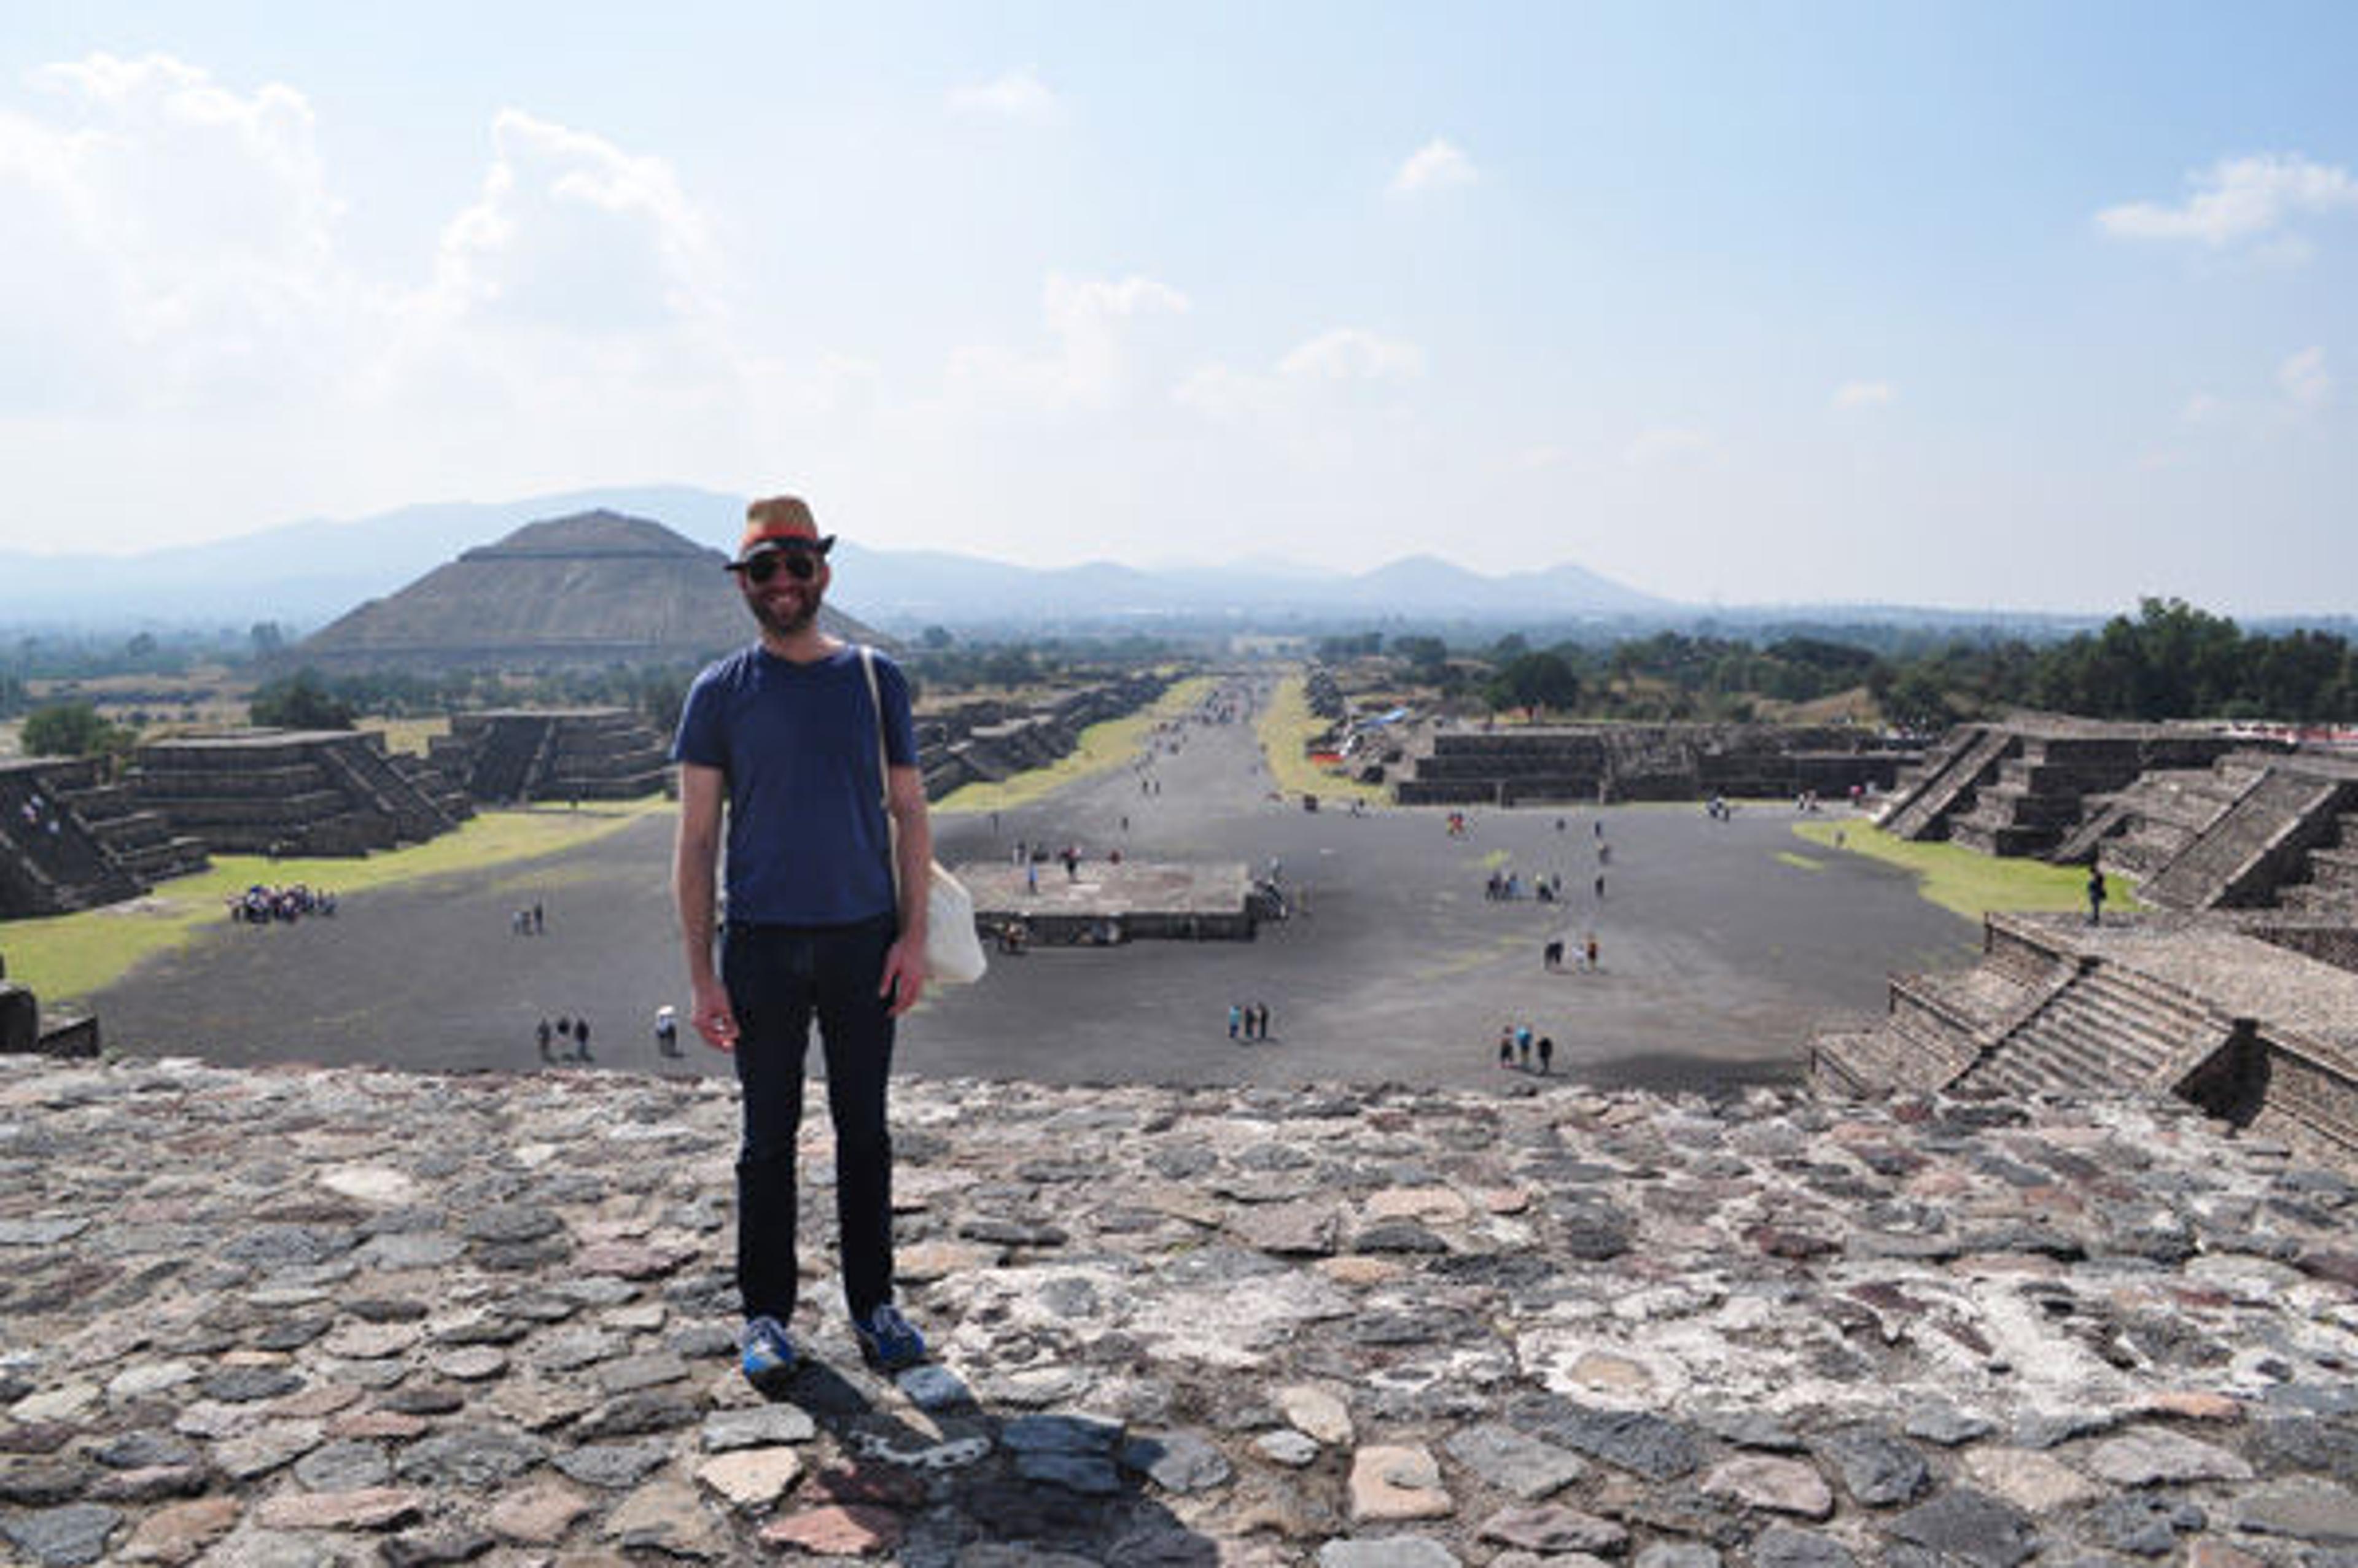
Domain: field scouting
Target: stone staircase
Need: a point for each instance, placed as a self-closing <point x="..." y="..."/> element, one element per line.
<point x="2038" y="797"/>
<point x="51" y="861"/>
<point x="284" y="792"/>
<point x="1944" y="788"/>
<point x="2259" y="842"/>
<point x="2109" y="1028"/>
<point x="2329" y="889"/>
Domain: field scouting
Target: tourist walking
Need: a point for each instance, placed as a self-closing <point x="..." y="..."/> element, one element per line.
<point x="1236" y="1018"/>
<point x="779" y="746"/>
<point x="581" y="1040"/>
<point x="546" y="1035"/>
<point x="2095" y="892"/>
<point x="1507" y="1045"/>
<point x="667" y="1031"/>
<point x="1547" y="1051"/>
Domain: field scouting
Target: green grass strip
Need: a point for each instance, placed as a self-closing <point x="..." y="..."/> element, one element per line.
<point x="66" y="958"/>
<point x="1966" y="881"/>
<point x="1101" y="749"/>
<point x="1286" y="725"/>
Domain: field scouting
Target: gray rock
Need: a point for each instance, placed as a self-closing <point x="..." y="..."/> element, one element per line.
<point x="476" y="1458"/>
<point x="1946" y="1425"/>
<point x="2302" y="1507"/>
<point x="1781" y="1546"/>
<point x="1638" y="1441"/>
<point x="1177" y="1461"/>
<point x="64" y="1536"/>
<point x="1876" y="1468"/>
<point x="1090" y="1475"/>
<point x="2141" y="1525"/>
<point x="1676" y="1554"/>
<point x="612" y="1466"/>
<point x="1969" y="1527"/>
<point x="343" y="1468"/>
<point x="249" y="1385"/>
<point x="1392" y="1551"/>
<point x="507" y="1224"/>
<point x="1514" y="1461"/>
<point x="1060" y="1434"/>
<point x="724" y="1432"/>
<point x="139" y="1450"/>
<point x="637" y="1414"/>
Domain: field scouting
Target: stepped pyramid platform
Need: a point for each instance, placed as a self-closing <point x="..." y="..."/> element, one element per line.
<point x="2028" y="785"/>
<point x="2254" y="1031"/>
<point x="1583" y="762"/>
<point x="1109" y="902"/>
<point x="590" y="753"/>
<point x="285" y="791"/>
<point x="70" y="841"/>
<point x="2260" y="829"/>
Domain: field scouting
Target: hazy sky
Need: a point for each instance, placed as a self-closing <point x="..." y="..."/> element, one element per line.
<point x="2040" y="306"/>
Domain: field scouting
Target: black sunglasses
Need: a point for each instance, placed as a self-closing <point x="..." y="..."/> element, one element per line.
<point x="801" y="565"/>
<point x="800" y="558"/>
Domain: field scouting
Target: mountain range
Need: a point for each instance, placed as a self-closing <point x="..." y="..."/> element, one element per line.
<point x="303" y="575"/>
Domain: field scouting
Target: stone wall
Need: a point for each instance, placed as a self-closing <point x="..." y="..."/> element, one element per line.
<point x="53" y="858"/>
<point x="511" y="756"/>
<point x="2255" y="1031"/>
<point x="1577" y="763"/>
<point x="285" y="791"/>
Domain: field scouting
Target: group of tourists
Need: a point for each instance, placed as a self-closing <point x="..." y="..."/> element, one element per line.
<point x="261" y="904"/>
<point x="1517" y="1046"/>
<point x="1248" y="1021"/>
<point x="1553" y="953"/>
<point x="567" y="1040"/>
<point x="530" y="920"/>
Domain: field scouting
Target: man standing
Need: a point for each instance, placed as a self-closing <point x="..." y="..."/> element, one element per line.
<point x="779" y="743"/>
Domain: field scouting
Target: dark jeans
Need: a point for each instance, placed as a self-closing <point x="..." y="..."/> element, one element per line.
<point x="778" y="975"/>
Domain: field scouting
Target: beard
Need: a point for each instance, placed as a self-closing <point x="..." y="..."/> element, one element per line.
<point x="788" y="614"/>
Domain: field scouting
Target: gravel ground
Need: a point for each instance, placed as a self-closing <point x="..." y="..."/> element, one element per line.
<point x="1722" y="944"/>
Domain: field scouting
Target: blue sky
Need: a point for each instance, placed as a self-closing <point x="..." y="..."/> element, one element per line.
<point x="1983" y="306"/>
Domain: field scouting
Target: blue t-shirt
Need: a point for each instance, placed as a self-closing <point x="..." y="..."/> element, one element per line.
<point x="808" y="841"/>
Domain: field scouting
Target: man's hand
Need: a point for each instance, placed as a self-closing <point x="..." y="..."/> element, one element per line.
<point x="904" y="974"/>
<point x="713" y="1017"/>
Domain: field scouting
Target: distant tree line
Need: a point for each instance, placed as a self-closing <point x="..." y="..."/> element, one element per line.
<point x="2169" y="661"/>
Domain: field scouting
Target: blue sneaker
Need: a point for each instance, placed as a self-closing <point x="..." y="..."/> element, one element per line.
<point x="887" y="1339"/>
<point x="765" y="1352"/>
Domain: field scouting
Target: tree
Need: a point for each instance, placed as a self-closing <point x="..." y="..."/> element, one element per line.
<point x="298" y="702"/>
<point x="72" y="730"/>
<point x="1535" y="680"/>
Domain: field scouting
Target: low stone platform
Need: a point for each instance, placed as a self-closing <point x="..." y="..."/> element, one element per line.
<point x="362" y="1318"/>
<point x="1109" y="902"/>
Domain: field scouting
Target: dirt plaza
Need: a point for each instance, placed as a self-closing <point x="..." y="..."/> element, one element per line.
<point x="1722" y="943"/>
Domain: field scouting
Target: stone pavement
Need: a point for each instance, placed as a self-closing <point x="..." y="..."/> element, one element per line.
<point x="290" y="1318"/>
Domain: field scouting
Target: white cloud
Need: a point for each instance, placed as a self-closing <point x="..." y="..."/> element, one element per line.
<point x="2238" y="199"/>
<point x="1019" y="95"/>
<point x="2304" y="379"/>
<point x="571" y="231"/>
<point x="1668" y="447"/>
<point x="170" y="240"/>
<point x="1864" y="395"/>
<point x="1090" y="363"/>
<point x="1348" y="353"/>
<point x="1438" y="165"/>
<point x="1309" y="382"/>
<point x="2203" y="408"/>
